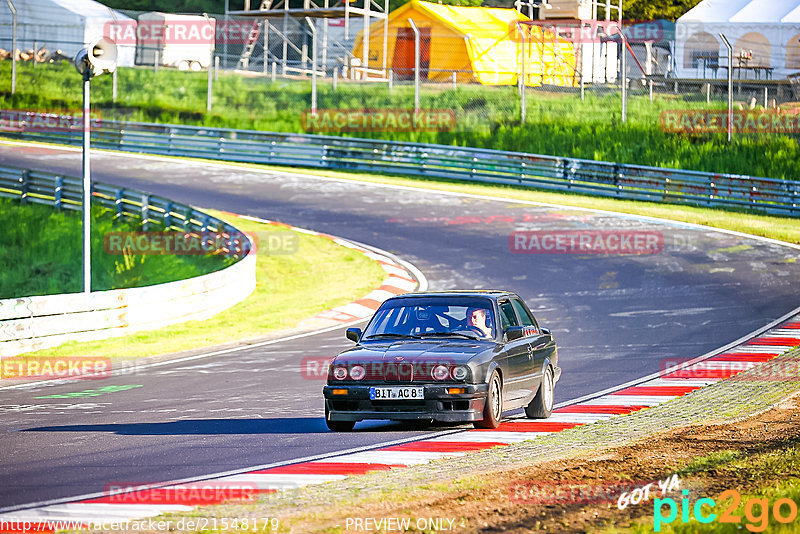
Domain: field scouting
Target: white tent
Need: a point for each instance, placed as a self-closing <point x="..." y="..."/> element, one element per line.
<point x="66" y="25"/>
<point x="765" y="35"/>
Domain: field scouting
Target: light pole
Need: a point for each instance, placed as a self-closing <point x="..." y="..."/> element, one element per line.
<point x="97" y="58"/>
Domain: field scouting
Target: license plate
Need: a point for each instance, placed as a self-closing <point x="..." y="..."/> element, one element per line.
<point x="396" y="393"/>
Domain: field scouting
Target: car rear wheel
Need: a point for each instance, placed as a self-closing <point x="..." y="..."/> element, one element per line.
<point x="493" y="409"/>
<point x="542" y="404"/>
<point x="337" y="426"/>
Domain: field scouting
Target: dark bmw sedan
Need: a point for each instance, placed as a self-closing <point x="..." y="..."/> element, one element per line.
<point x="457" y="356"/>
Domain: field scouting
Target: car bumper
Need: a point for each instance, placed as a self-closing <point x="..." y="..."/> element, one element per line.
<point x="437" y="404"/>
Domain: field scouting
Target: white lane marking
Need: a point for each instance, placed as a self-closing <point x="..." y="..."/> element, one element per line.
<point x="393" y="457"/>
<point x="500" y="436"/>
<point x="379" y="294"/>
<point x="355" y="309"/>
<point x="681" y="382"/>
<point x="281" y="481"/>
<point x="783" y="332"/>
<point x="400" y="283"/>
<point x="94" y="511"/>
<point x="777" y="350"/>
<point x="629" y="400"/>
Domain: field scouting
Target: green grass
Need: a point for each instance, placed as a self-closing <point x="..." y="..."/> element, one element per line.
<point x="290" y="287"/>
<point x="41" y="249"/>
<point x="558" y="123"/>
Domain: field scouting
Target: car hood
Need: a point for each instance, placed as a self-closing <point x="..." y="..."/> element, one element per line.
<point x="441" y="350"/>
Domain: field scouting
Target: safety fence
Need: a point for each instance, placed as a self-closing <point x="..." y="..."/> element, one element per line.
<point x="32" y="323"/>
<point x="632" y="182"/>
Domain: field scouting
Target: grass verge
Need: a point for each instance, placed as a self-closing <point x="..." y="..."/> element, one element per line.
<point x="290" y="287"/>
<point x="41" y="249"/>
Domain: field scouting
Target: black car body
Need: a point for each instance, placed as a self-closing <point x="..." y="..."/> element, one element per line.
<point x="421" y="358"/>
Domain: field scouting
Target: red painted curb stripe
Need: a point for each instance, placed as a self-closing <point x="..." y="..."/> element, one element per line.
<point x="392" y="289"/>
<point x="369" y="303"/>
<point x="588" y="408"/>
<point x="444" y="446"/>
<point x="656" y="390"/>
<point x="773" y="341"/>
<point x="755" y="357"/>
<point x="530" y="426"/>
<point x="327" y="468"/>
<point x="793" y="325"/>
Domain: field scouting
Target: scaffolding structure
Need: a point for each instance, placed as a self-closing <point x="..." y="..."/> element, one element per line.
<point x="270" y="10"/>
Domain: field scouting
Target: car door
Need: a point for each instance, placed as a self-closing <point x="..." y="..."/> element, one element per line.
<point x="516" y="382"/>
<point x="540" y="345"/>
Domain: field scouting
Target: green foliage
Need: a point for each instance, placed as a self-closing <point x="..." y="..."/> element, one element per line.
<point x="656" y="9"/>
<point x="41" y="249"/>
<point x="557" y="123"/>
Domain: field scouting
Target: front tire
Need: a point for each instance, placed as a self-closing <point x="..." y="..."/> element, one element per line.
<point x="337" y="426"/>
<point x="542" y="404"/>
<point x="493" y="409"/>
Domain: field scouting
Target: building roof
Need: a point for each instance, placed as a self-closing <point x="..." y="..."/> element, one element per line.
<point x="744" y="12"/>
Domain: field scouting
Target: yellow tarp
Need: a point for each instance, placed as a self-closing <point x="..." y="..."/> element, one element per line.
<point x="480" y="44"/>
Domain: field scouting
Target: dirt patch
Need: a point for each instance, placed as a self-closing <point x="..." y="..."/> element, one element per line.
<point x="575" y="495"/>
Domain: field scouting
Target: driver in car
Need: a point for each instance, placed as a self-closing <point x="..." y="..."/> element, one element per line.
<point x="479" y="318"/>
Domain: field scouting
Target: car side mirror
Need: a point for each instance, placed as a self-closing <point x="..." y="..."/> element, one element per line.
<point x="514" y="332"/>
<point x="353" y="334"/>
<point x="546" y="331"/>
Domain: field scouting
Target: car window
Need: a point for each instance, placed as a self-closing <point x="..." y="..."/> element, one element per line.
<point x="507" y="315"/>
<point x="524" y="316"/>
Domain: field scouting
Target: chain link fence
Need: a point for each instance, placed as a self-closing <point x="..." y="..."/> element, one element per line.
<point x="436" y="69"/>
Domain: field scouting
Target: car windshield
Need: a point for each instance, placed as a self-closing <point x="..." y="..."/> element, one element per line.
<point x="433" y="317"/>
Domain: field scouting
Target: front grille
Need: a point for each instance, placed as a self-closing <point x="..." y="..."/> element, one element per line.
<point x="398" y="406"/>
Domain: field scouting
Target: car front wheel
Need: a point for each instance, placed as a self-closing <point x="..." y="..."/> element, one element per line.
<point x="337" y="426"/>
<point x="493" y="409"/>
<point x="542" y="404"/>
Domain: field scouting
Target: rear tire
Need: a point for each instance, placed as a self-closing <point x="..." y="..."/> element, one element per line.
<point x="542" y="404"/>
<point x="493" y="409"/>
<point x="337" y="426"/>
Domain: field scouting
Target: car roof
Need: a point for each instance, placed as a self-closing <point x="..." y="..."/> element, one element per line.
<point x="491" y="293"/>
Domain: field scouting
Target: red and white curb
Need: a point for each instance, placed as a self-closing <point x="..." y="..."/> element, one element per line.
<point x="400" y="278"/>
<point x="673" y="382"/>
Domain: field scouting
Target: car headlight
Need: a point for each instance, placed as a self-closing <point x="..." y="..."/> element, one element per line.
<point x="460" y="372"/>
<point x="340" y="373"/>
<point x="357" y="372"/>
<point x="440" y="372"/>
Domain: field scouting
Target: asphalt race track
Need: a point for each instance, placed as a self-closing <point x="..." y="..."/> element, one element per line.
<point x="615" y="317"/>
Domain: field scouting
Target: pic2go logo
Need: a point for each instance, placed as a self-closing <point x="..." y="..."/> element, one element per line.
<point x="756" y="511"/>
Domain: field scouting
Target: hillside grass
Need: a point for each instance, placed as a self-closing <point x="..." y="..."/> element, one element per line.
<point x="42" y="253"/>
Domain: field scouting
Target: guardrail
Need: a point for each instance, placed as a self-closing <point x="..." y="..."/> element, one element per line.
<point x="32" y="323"/>
<point x="634" y="182"/>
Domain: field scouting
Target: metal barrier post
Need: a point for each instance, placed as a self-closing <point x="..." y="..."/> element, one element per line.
<point x="314" y="67"/>
<point x="416" y="65"/>
<point x="730" y="86"/>
<point x="14" y="47"/>
<point x="87" y="186"/>
<point x="523" y="103"/>
<point x="114" y="86"/>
